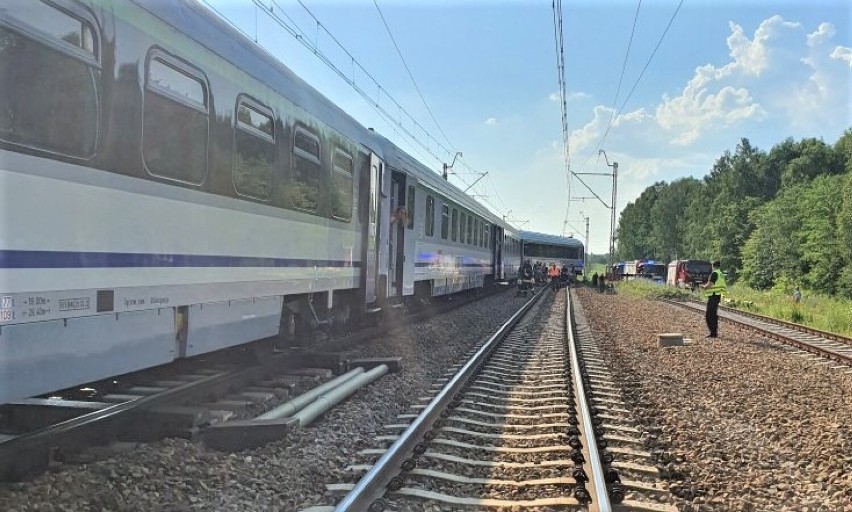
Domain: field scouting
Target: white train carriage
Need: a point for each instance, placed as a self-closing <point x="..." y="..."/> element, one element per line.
<point x="564" y="251"/>
<point x="169" y="189"/>
<point x="456" y="243"/>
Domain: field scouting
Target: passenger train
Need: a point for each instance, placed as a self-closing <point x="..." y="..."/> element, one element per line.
<point x="168" y="189"/>
<point x="561" y="250"/>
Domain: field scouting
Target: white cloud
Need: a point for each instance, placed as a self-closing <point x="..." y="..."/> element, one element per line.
<point x="843" y="53"/>
<point x="779" y="79"/>
<point x="574" y="95"/>
<point x="751" y="57"/>
<point x="696" y="109"/>
<point x="491" y="121"/>
<point x="824" y="31"/>
<point x="820" y="92"/>
<point x="716" y="96"/>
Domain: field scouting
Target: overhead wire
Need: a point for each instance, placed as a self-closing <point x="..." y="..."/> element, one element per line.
<point x="563" y="104"/>
<point x="411" y="76"/>
<point x="614" y="118"/>
<point x="391" y="125"/>
<point x="621" y="75"/>
<point x="383" y="112"/>
<point x="272" y="8"/>
<point x="428" y="109"/>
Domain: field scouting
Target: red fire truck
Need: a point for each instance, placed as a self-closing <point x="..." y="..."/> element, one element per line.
<point x="688" y="273"/>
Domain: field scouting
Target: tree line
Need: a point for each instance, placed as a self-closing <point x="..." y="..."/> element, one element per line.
<point x="774" y="219"/>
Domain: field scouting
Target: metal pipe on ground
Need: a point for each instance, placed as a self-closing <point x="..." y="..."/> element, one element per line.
<point x="337" y="395"/>
<point x="297" y="404"/>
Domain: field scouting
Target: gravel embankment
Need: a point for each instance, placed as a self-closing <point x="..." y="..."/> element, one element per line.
<point x="176" y="475"/>
<point x="739" y="425"/>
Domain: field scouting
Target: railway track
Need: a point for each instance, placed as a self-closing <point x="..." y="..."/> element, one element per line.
<point x="810" y="341"/>
<point x="532" y="419"/>
<point x="52" y="430"/>
<point x="41" y="432"/>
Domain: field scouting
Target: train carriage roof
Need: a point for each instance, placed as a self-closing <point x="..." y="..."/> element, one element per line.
<point x="545" y="239"/>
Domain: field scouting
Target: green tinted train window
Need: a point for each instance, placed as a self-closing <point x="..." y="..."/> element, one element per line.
<point x="175" y="121"/>
<point x="341" y="190"/>
<point x="430" y="216"/>
<point x="49" y="75"/>
<point x="455" y="226"/>
<point x="254" y="150"/>
<point x="305" y="184"/>
<point x="445" y="221"/>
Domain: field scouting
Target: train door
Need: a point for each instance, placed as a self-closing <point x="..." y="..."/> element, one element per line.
<point x="410" y="242"/>
<point x="383" y="245"/>
<point x="371" y="205"/>
<point x="399" y="226"/>
<point x="497" y="237"/>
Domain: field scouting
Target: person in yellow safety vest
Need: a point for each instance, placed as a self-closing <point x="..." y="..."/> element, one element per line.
<point x="714" y="288"/>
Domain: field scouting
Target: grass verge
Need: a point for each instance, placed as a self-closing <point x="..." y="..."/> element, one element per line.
<point x="817" y="311"/>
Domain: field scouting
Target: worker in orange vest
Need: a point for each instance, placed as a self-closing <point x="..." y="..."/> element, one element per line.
<point x="553" y="273"/>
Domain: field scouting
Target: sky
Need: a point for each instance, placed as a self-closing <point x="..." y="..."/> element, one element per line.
<point x="761" y="69"/>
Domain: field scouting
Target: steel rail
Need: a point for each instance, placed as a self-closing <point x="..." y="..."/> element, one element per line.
<point x="28" y="453"/>
<point x="784" y="323"/>
<point x="372" y="485"/>
<point x="17" y="453"/>
<point x="790" y="325"/>
<point x="598" y="479"/>
<point x="807" y="347"/>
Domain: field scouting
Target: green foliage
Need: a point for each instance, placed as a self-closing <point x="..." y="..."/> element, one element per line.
<point x="596" y="268"/>
<point x="844" y="227"/>
<point x="773" y="219"/>
<point x="815" y="310"/>
<point x="635" y="229"/>
<point x="811" y="158"/>
<point x="843" y="149"/>
<point x="667" y="237"/>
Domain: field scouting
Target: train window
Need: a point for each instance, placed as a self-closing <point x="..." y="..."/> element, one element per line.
<point x="430" y="216"/>
<point x="455" y="227"/>
<point x="175" y="121"/>
<point x="410" y="206"/>
<point x="254" y="150"/>
<point x="341" y="190"/>
<point x="476" y="232"/>
<point x="55" y="25"/>
<point x="469" y="231"/>
<point x="374" y="197"/>
<point x="253" y="117"/>
<point x="176" y="83"/>
<point x="305" y="186"/>
<point x="445" y="221"/>
<point x="50" y="75"/>
<point x="486" y="239"/>
<point x="462" y="224"/>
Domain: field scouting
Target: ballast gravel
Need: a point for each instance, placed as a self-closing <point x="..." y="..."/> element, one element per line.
<point x="736" y="424"/>
<point x="177" y="475"/>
